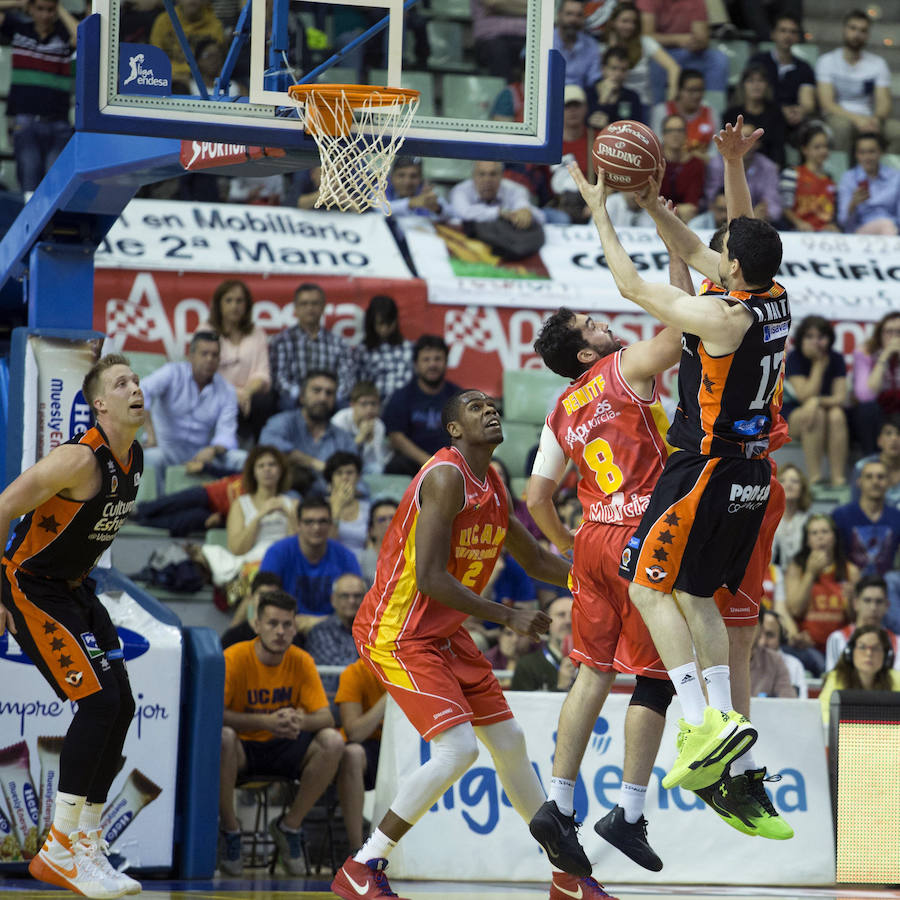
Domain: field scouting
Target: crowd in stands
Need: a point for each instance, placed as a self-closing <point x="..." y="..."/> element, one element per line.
<point x="285" y="430"/>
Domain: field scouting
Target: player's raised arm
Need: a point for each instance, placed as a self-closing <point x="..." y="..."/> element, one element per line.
<point x="708" y="317"/>
<point x="732" y="145"/>
<point x="442" y="497"/>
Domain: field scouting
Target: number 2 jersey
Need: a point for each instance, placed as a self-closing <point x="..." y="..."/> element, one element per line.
<point x="615" y="438"/>
<point x="724" y="405"/>
<point x="395" y="610"/>
<point x="64" y="538"/>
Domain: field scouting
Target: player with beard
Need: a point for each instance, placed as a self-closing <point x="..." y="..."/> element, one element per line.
<point x="610" y="423"/>
<point x="73" y="503"/>
<point x="436" y="558"/>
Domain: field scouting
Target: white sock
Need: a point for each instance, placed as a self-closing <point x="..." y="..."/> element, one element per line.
<point x="718" y="686"/>
<point x="744" y="763"/>
<point x="687" y="686"/>
<point x="631" y="799"/>
<point x="90" y="817"/>
<point x="67" y="812"/>
<point x="378" y="846"/>
<point x="562" y="792"/>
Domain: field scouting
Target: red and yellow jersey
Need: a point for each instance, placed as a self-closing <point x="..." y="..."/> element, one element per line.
<point x="615" y="438"/>
<point x="724" y="401"/>
<point x="64" y="538"/>
<point x="815" y="198"/>
<point x="395" y="610"/>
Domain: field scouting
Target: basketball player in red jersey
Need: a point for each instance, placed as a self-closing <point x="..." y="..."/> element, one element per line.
<point x="436" y="558"/>
<point x="610" y="423"/>
<point x="73" y="502"/>
<point x="707" y="508"/>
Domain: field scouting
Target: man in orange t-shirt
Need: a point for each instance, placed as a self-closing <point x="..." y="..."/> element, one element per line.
<point x="277" y="722"/>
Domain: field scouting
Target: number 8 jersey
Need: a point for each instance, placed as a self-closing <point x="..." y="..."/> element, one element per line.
<point x="723" y="405"/>
<point x="616" y="439"/>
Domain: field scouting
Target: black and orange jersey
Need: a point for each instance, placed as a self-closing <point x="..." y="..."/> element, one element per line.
<point x="725" y="402"/>
<point x="64" y="538"/>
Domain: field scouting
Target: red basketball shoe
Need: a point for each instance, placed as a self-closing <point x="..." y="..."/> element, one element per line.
<point x="364" y="881"/>
<point x="568" y="887"/>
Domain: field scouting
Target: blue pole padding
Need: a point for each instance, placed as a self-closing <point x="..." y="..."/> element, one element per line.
<point x="203" y="704"/>
<point x="279" y="43"/>
<point x="337" y="57"/>
<point x="186" y="49"/>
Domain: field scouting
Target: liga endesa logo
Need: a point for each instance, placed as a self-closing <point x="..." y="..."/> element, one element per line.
<point x="144" y="69"/>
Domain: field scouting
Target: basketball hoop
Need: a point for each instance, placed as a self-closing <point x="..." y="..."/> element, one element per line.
<point x="358" y="130"/>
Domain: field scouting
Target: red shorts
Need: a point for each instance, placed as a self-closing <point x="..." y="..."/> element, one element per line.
<point x="439" y="682"/>
<point x="742" y="608"/>
<point x="608" y="633"/>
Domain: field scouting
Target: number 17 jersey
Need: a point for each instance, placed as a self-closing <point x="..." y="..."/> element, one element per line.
<point x="616" y="439"/>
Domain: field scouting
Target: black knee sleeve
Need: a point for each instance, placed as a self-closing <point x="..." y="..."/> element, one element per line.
<point x="654" y="693"/>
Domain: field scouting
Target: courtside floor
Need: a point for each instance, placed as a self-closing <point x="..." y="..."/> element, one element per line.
<point x="302" y="889"/>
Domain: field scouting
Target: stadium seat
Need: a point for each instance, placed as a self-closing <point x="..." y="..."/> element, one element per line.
<point x="518" y="439"/>
<point x="5" y="69"/>
<point x="716" y="101"/>
<point x="738" y="52"/>
<point x="392" y="486"/>
<point x="528" y="394"/>
<point x="836" y="165"/>
<point x="177" y="479"/>
<point x="143" y="364"/>
<point x="338" y="75"/>
<point x="423" y="82"/>
<point x="436" y="168"/>
<point x="470" y="96"/>
<point x="452" y="9"/>
<point x="447" y="43"/>
<point x="807" y="52"/>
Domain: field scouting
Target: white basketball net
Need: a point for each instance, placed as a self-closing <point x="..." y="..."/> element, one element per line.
<point x="356" y="166"/>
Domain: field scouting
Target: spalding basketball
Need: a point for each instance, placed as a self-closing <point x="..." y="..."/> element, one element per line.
<point x="629" y="152"/>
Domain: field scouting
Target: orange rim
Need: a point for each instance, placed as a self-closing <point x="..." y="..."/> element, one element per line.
<point x="356" y="94"/>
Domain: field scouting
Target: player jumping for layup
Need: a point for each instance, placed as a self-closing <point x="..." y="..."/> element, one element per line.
<point x="74" y="501"/>
<point x="436" y="558"/>
<point x="705" y="514"/>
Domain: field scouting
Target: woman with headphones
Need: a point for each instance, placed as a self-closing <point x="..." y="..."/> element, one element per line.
<point x="865" y="664"/>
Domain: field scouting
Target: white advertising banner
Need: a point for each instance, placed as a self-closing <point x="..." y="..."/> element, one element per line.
<point x="841" y="277"/>
<point x="228" y="237"/>
<point x="473" y="821"/>
<point x="138" y="819"/>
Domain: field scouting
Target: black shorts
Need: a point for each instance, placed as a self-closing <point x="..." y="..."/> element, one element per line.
<point x="65" y="631"/>
<point x="700" y="528"/>
<point x="372" y="748"/>
<point x="281" y="757"/>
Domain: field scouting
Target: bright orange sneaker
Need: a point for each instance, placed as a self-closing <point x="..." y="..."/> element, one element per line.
<point x="66" y="862"/>
<point x="363" y="881"/>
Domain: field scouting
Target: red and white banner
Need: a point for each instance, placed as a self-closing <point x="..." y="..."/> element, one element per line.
<point x="158" y="311"/>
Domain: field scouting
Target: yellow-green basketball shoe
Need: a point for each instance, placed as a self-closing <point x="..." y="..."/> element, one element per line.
<point x="704" y="751"/>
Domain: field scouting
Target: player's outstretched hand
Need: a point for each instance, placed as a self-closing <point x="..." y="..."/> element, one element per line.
<point x="648" y="196"/>
<point x="731" y="141"/>
<point x="594" y="194"/>
<point x="530" y="622"/>
<point x="6" y="621"/>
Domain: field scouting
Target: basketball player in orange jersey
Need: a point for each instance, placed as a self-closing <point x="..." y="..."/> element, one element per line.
<point x="739" y="796"/>
<point x="74" y="501"/>
<point x="611" y="424"/>
<point x="436" y="558"/>
<point x="706" y="511"/>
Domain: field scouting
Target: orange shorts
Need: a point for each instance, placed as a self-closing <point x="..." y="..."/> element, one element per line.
<point x="608" y="633"/>
<point x="742" y="608"/>
<point x="439" y="682"/>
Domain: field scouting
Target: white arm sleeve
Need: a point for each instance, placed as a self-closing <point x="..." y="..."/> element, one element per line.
<point x="550" y="461"/>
